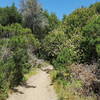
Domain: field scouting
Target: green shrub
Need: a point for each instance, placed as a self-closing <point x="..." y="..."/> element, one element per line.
<point x="19" y="45"/>
<point x="33" y="42"/>
<point x="65" y="57"/>
<point x="76" y="20"/>
<point x="14" y="57"/>
<point x="90" y="32"/>
<point x="6" y="75"/>
<point x="21" y="59"/>
<point x="53" y="44"/>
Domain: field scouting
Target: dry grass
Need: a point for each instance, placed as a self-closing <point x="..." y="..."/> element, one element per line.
<point x="70" y="92"/>
<point x="87" y="76"/>
<point x="78" y="88"/>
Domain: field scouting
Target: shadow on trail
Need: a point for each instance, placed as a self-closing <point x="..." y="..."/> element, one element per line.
<point x="23" y="85"/>
<point x="27" y="86"/>
<point x="17" y="91"/>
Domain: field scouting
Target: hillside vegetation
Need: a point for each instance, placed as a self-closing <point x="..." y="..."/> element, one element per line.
<point x="71" y="45"/>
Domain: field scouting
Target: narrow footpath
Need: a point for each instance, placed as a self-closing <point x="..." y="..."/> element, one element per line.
<point x="36" y="88"/>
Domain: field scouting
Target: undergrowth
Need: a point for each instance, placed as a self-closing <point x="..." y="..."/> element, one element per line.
<point x="69" y="90"/>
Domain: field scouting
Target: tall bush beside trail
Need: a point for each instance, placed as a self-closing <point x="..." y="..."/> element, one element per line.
<point x="62" y="65"/>
<point x="21" y="66"/>
<point x="19" y="45"/>
<point x="18" y="48"/>
<point x="14" y="58"/>
<point x="53" y="44"/>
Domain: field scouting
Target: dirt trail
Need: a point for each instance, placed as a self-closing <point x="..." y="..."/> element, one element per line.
<point x="37" y="88"/>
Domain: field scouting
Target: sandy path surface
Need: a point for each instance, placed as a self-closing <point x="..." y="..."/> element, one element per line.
<point x="37" y="88"/>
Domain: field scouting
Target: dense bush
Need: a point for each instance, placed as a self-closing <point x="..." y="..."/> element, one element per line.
<point x="91" y="32"/>
<point x="64" y="58"/>
<point x="14" y="58"/>
<point x="53" y="44"/>
<point x="82" y="27"/>
<point x="75" y="21"/>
